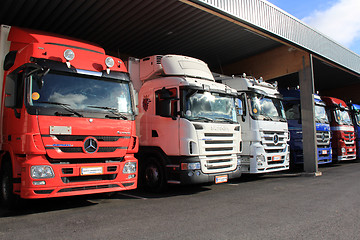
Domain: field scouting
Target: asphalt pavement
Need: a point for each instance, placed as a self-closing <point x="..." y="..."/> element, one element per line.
<point x="275" y="206"/>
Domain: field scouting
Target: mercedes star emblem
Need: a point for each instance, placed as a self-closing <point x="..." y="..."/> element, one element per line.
<point x="90" y="145"/>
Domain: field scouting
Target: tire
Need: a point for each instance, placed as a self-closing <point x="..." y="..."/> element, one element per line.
<point x="7" y="197"/>
<point x="153" y="176"/>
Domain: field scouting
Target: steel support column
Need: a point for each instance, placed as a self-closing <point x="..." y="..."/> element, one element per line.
<point x="306" y="79"/>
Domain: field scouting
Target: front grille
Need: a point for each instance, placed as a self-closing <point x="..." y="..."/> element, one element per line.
<point x="82" y="138"/>
<point x="322" y="138"/>
<point x="219" y="162"/>
<point x="80" y="149"/>
<point x="83" y="160"/>
<point x="349" y="137"/>
<point x="268" y="140"/>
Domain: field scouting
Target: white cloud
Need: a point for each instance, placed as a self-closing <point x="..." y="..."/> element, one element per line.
<point x="340" y="22"/>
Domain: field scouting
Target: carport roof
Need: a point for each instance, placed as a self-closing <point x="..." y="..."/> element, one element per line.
<point x="145" y="27"/>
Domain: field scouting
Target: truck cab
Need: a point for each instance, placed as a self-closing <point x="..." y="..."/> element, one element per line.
<point x="264" y="132"/>
<point x="67" y="118"/>
<point x="343" y="135"/>
<point x="187" y="123"/>
<point x="355" y="116"/>
<point x="323" y="134"/>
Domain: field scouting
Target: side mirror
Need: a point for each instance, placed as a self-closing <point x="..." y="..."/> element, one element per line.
<point x="165" y="108"/>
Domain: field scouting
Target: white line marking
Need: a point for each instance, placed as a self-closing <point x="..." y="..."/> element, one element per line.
<point x="129" y="195"/>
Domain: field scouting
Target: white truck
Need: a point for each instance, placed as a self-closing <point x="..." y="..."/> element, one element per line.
<point x="187" y="123"/>
<point x="264" y="127"/>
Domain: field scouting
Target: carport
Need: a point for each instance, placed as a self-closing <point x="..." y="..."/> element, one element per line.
<point x="232" y="36"/>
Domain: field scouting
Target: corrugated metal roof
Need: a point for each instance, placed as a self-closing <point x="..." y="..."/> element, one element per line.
<point x="271" y="19"/>
<point x="139" y="28"/>
<point x="145" y="27"/>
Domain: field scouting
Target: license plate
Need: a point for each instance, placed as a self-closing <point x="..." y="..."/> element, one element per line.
<point x="350" y="150"/>
<point x="324" y="152"/>
<point x="91" y="170"/>
<point x="276" y="158"/>
<point x="221" y="179"/>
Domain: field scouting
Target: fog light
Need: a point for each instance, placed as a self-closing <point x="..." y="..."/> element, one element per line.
<point x="39" y="182"/>
<point x="131" y="176"/>
<point x="44" y="171"/>
<point x="260" y="158"/>
<point x="190" y="174"/>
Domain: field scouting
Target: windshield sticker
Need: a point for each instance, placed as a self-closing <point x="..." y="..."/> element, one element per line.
<point x="146" y="102"/>
<point x="35" y="96"/>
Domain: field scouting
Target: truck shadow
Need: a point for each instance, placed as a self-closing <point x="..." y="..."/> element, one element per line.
<point x="34" y="206"/>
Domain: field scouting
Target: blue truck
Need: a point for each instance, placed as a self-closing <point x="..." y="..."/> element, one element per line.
<point x="323" y="135"/>
<point x="355" y="116"/>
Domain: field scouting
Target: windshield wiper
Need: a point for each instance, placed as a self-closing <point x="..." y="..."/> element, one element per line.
<point x="202" y="118"/>
<point x="283" y="119"/>
<point x="65" y="106"/>
<point x="112" y="110"/>
<point x="266" y="117"/>
<point x="226" y="119"/>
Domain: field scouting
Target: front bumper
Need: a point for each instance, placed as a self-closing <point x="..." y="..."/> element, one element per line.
<point x="68" y="180"/>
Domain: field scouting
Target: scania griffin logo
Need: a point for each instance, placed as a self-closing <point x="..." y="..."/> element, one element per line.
<point x="276" y="139"/>
<point x="90" y="145"/>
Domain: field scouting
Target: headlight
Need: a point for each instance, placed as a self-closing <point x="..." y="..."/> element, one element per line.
<point x="130" y="167"/>
<point x="343" y="150"/>
<point x="38" y="172"/>
<point x="190" y="166"/>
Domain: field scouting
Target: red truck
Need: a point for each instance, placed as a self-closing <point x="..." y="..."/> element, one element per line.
<point x="67" y="118"/>
<point x="343" y="135"/>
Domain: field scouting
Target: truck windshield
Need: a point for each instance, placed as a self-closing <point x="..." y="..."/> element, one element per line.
<point x="342" y="117"/>
<point x="80" y="93"/>
<point x="320" y="114"/>
<point x="213" y="107"/>
<point x="357" y="117"/>
<point x="266" y="108"/>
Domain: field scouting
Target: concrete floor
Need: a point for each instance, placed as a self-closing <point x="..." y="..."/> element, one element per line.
<point x="275" y="206"/>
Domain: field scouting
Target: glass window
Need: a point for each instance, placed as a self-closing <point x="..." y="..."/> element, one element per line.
<point x="208" y="106"/>
<point x="265" y="108"/>
<point x="80" y="92"/>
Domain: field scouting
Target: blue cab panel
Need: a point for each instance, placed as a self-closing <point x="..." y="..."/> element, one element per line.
<point x="323" y="135"/>
<point x="355" y="117"/>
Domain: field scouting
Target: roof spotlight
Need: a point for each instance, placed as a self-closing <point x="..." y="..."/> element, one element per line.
<point x="109" y="62"/>
<point x="69" y="54"/>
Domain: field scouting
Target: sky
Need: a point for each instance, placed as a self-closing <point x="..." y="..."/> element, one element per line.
<point x="338" y="19"/>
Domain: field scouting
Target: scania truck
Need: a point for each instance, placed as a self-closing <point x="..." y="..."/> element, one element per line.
<point x="343" y="135"/>
<point x="187" y="123"/>
<point x="264" y="132"/>
<point x="67" y="118"/>
<point x="323" y="135"/>
<point x="355" y="116"/>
